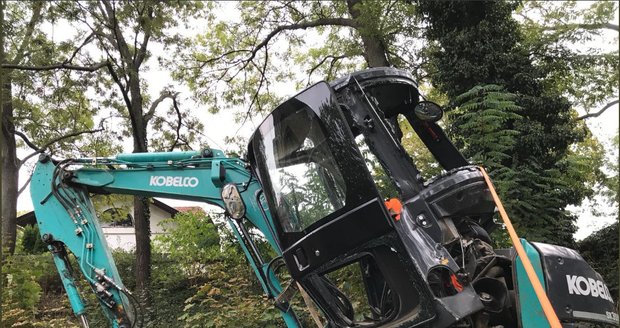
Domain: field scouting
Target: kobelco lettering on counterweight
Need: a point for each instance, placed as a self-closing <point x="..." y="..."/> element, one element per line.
<point x="579" y="285"/>
<point x="168" y="181"/>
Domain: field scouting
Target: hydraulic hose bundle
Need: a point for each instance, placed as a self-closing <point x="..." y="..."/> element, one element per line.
<point x="80" y="210"/>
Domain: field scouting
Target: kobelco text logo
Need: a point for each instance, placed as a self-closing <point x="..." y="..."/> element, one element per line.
<point x="587" y="287"/>
<point x="168" y="181"/>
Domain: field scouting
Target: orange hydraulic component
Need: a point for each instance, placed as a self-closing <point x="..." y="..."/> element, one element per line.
<point x="554" y="322"/>
<point x="455" y="282"/>
<point x="394" y="207"/>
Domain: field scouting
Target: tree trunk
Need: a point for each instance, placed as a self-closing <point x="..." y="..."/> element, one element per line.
<point x="10" y="170"/>
<point x="138" y="131"/>
<point x="10" y="164"/>
<point x="141" y="204"/>
<point x="143" y="247"/>
<point x="375" y="54"/>
<point x="374" y="48"/>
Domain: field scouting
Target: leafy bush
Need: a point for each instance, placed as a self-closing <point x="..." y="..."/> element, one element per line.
<point x="200" y="278"/>
<point x="600" y="250"/>
<point x="223" y="291"/>
<point x="229" y="297"/>
<point x="170" y="286"/>
<point x="31" y="240"/>
<point x="192" y="240"/>
<point x="22" y="286"/>
<point x="27" y="277"/>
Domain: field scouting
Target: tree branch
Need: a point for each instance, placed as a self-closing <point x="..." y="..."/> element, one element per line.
<point x="598" y="113"/>
<point x="263" y="44"/>
<point x="27" y="141"/>
<point x="332" y="64"/>
<point x="180" y="122"/>
<point x="322" y="61"/>
<point x="162" y="97"/>
<point x="302" y="26"/>
<point x="38" y="150"/>
<point x="297" y="26"/>
<point x="90" y="68"/>
<point x="22" y="188"/>
<point x="260" y="85"/>
<point x="136" y="31"/>
<point x="222" y="56"/>
<point x="594" y="26"/>
<point x="118" y="82"/>
<point x="37" y="6"/>
<point x="141" y="52"/>
<point x="75" y="52"/>
<point x="611" y="26"/>
<point x="119" y="40"/>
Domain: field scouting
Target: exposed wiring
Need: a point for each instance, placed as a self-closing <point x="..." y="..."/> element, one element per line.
<point x="79" y="208"/>
<point x="247" y="184"/>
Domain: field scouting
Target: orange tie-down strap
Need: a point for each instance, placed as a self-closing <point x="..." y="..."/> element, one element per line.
<point x="554" y="322"/>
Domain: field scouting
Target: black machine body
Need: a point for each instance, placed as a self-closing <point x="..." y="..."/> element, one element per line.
<point x="432" y="264"/>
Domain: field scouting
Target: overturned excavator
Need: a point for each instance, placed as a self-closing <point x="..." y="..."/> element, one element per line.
<point x="422" y="259"/>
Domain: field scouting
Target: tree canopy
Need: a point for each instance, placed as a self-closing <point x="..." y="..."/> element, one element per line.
<point x="476" y="43"/>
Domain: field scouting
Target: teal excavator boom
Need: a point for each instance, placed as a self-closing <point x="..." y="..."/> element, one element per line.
<point x="67" y="220"/>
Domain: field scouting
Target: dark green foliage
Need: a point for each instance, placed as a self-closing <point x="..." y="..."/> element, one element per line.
<point x="31" y="240"/>
<point x="478" y="42"/>
<point x="228" y="295"/>
<point x="600" y="250"/>
<point x="192" y="240"/>
<point x="170" y="286"/>
<point x="22" y="286"/>
<point x="479" y="125"/>
<point x="475" y="44"/>
<point x="200" y="279"/>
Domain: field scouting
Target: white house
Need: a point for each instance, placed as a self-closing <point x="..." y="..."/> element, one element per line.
<point x="120" y="234"/>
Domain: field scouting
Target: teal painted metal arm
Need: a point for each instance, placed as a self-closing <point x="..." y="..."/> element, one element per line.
<point x="67" y="220"/>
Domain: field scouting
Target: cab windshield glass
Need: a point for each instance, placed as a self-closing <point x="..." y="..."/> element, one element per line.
<point x="305" y="181"/>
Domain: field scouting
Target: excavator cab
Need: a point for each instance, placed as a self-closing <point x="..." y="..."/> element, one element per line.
<point x="329" y="215"/>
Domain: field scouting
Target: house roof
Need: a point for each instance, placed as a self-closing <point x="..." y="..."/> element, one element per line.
<point x="165" y="207"/>
<point x="196" y="209"/>
<point x="26" y="219"/>
<point x="30" y="219"/>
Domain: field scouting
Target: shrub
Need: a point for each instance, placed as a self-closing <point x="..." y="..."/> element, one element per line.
<point x="22" y="290"/>
<point x="31" y="240"/>
<point x="600" y="250"/>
